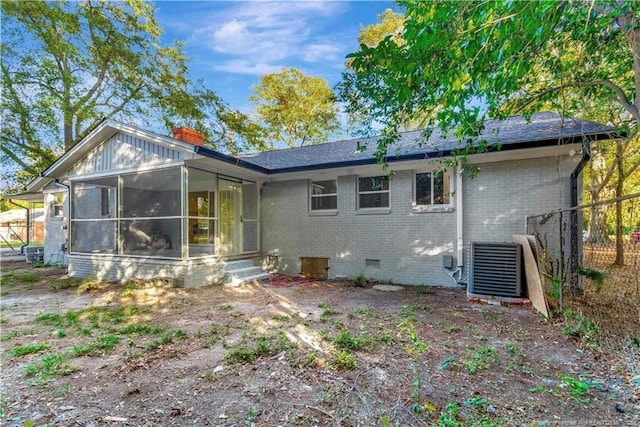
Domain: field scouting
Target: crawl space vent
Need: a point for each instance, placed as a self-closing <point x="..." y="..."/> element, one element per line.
<point x="495" y="269"/>
<point x="375" y="263"/>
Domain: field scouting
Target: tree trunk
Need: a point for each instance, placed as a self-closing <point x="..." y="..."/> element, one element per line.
<point x="619" y="191"/>
<point x="598" y="232"/>
<point x="68" y="135"/>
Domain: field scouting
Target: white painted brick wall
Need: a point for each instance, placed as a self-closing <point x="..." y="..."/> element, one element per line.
<point x="410" y="246"/>
<point x="188" y="274"/>
<point x="54" y="233"/>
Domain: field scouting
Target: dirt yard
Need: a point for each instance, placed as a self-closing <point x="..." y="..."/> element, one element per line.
<point x="310" y="354"/>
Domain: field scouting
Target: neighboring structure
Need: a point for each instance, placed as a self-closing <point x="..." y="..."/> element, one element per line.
<point x="24" y="225"/>
<point x="130" y="203"/>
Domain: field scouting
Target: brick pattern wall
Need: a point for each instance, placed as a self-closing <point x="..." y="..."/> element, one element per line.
<point x="497" y="201"/>
<point x="55" y="234"/>
<point x="409" y="245"/>
<point x="188" y="274"/>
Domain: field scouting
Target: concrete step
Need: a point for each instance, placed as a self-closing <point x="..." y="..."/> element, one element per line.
<point x="243" y="272"/>
<point x="237" y="281"/>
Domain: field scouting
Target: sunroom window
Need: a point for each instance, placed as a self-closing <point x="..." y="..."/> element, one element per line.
<point x="151" y="213"/>
<point x="94" y="228"/>
<point x="201" y="208"/>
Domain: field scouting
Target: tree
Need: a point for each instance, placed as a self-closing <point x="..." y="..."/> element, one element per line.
<point x="67" y="65"/>
<point x="470" y="61"/>
<point x="295" y="109"/>
<point x="390" y="24"/>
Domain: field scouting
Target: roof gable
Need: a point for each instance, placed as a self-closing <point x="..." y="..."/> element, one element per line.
<point x="124" y="151"/>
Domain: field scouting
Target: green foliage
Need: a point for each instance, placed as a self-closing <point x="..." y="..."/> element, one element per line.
<point x="66" y="65"/>
<point x="29" y="349"/>
<point x="586" y="331"/>
<point x="358" y="280"/>
<point x="345" y="361"/>
<point x="167" y="338"/>
<point x="254" y="347"/>
<point x="52" y="364"/>
<point x="576" y="387"/>
<point x="466" y="62"/>
<point x="28" y="276"/>
<point x="479" y="360"/>
<point x="295" y="109"/>
<point x="346" y="341"/>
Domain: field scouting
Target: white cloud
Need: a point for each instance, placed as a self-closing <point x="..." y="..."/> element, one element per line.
<point x="316" y="52"/>
<point x="251" y="37"/>
<point x="243" y="66"/>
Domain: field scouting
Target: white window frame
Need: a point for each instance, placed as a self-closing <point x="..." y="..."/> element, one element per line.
<point x="433" y="207"/>
<point x="375" y="209"/>
<point x="57" y="205"/>
<point x="312" y="196"/>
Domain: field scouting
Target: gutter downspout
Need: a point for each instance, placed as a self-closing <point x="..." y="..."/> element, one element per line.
<point x="66" y="226"/>
<point x="574" y="252"/>
<point x="456" y="275"/>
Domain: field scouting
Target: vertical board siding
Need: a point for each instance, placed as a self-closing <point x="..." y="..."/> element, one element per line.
<point x="123" y="151"/>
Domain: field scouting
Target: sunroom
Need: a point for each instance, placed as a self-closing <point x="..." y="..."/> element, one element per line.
<point x="178" y="212"/>
<point x="181" y="223"/>
<point x="125" y="203"/>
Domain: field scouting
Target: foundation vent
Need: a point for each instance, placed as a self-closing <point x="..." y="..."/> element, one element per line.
<point x="375" y="263"/>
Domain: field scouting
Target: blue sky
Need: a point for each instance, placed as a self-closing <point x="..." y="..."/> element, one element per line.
<point x="232" y="43"/>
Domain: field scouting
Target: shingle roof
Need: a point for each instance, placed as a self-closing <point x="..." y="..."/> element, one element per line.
<point x="543" y="129"/>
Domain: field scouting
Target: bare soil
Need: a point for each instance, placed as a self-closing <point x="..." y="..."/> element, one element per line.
<point x="315" y="354"/>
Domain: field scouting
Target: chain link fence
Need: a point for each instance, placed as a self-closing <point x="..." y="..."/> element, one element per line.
<point x="589" y="260"/>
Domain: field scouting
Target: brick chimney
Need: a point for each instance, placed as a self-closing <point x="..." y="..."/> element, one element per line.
<point x="188" y="135"/>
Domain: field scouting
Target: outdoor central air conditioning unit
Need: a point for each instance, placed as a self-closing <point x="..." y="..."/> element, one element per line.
<point x="495" y="269"/>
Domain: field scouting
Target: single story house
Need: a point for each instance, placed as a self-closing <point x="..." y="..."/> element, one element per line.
<point x="127" y="203"/>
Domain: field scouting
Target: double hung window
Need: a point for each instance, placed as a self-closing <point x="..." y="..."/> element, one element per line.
<point x="323" y="195"/>
<point x="373" y="192"/>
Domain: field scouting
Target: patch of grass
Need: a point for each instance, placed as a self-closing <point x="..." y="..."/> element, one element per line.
<point x="52" y="364"/>
<point x="344" y="361"/>
<point x="29" y="349"/>
<point x="491" y="316"/>
<point x="577" y="388"/>
<point x="225" y="307"/>
<point x="140" y="329"/>
<point x="28" y="276"/>
<point x="281" y="318"/>
<point x="252" y="348"/>
<point x="50" y="319"/>
<point x="584" y="330"/>
<point x="367" y="311"/>
<point x="216" y="332"/>
<point x="326" y="310"/>
<point x="167" y="338"/>
<point x="452" y="329"/>
<point x="422" y="289"/>
<point x="479" y="360"/>
<point x="97" y="347"/>
<point x="346" y="341"/>
<point x="66" y="283"/>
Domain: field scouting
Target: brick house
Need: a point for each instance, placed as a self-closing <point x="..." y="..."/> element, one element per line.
<point x="126" y="203"/>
